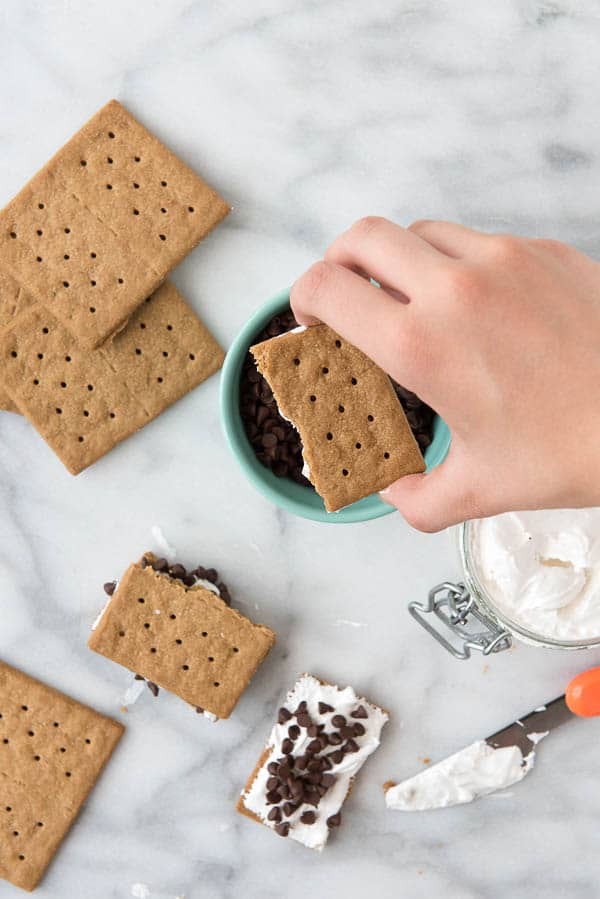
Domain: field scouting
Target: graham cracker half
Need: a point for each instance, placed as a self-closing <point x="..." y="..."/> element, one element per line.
<point x="103" y="223"/>
<point x="184" y="639"/>
<point x="355" y="436"/>
<point x="13" y="301"/>
<point x="52" y="750"/>
<point x="83" y="403"/>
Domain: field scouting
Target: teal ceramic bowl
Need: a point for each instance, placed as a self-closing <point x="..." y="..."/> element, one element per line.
<point x="283" y="492"/>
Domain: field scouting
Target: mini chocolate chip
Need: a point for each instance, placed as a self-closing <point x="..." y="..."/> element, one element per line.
<point x="358" y="729"/>
<point x="284" y="770"/>
<point x="273" y="768"/>
<point x="360" y="712"/>
<point x="327" y="780"/>
<point x="314" y="746"/>
<point x="302" y="762"/>
<point x="177" y="571"/>
<point x="283" y="829"/>
<point x="304" y="719"/>
<point x="350" y="746"/>
<point x="335" y="738"/>
<point x="338" y="720"/>
<point x="272" y="783"/>
<point x="274" y="814"/>
<point x="160" y="565"/>
<point x="314" y="778"/>
<point x="324" y="708"/>
<point x="314" y="765"/>
<point x="308" y="817"/>
<point x="110" y="587"/>
<point x="334" y="820"/>
<point x="293" y="732"/>
<point x="313" y="730"/>
<point x="337" y="757"/>
<point x="152" y="687"/>
<point x="138" y="677"/>
<point x="283" y="715"/>
<point x="347" y="732"/>
<point x="289" y="808"/>
<point x="199" y="710"/>
<point x="273" y="797"/>
<point x="287" y="745"/>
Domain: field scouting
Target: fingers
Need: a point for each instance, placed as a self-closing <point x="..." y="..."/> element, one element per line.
<point x="394" y="256"/>
<point x="381" y="326"/>
<point x="450" y="238"/>
<point x="434" y="501"/>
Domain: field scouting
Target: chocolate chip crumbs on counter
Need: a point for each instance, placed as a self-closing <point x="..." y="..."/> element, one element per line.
<point x="307" y="769"/>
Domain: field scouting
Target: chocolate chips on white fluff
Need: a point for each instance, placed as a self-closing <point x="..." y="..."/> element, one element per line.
<point x="323" y="736"/>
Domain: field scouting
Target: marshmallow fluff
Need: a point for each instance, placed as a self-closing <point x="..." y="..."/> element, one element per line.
<point x="542" y="569"/>
<point x="475" y="771"/>
<point x="344" y="701"/>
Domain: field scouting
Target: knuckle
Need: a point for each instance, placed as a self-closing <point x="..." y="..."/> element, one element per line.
<point x="367" y="225"/>
<point x="465" y="283"/>
<point x="504" y="249"/>
<point x="422" y="520"/>
<point x="309" y="288"/>
<point x="421" y="226"/>
<point x="554" y="247"/>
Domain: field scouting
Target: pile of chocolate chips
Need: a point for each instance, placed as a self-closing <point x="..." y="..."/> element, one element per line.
<point x="297" y="780"/>
<point x="178" y="573"/>
<point x="276" y="443"/>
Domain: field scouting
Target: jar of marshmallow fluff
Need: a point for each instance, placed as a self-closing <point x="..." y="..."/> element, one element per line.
<point x="532" y="576"/>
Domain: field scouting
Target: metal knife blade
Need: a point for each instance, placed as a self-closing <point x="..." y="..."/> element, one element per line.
<point x="546" y="718"/>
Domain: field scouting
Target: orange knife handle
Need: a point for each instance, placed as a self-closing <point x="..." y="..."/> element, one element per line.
<point x="583" y="693"/>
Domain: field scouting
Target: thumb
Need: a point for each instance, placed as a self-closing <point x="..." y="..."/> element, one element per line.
<point x="434" y="501"/>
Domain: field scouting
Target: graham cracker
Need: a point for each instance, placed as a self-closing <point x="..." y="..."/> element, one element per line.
<point x="184" y="639"/>
<point x="13" y="301"/>
<point x="83" y="403"/>
<point x="276" y="752"/>
<point x="103" y="223"/>
<point x="52" y="750"/>
<point x="355" y="436"/>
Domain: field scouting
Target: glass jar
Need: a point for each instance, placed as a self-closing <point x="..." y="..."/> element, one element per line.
<point x="464" y="618"/>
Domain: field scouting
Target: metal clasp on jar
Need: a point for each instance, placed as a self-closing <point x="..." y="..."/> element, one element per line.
<point x="453" y="606"/>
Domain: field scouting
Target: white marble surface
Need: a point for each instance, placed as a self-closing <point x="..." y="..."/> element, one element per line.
<point x="306" y="115"/>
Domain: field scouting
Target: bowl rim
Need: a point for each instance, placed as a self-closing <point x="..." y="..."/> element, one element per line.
<point x="368" y="508"/>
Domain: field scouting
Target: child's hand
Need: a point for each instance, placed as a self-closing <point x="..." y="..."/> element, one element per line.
<point x="499" y="334"/>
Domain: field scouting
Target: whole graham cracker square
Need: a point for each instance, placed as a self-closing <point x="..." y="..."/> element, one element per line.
<point x="85" y="402"/>
<point x="52" y="750"/>
<point x="184" y="639"/>
<point x="355" y="436"/>
<point x="102" y="224"/>
<point x="13" y="301"/>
